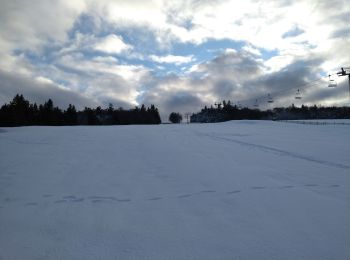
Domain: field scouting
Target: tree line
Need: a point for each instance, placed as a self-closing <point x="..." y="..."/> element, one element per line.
<point x="20" y="112"/>
<point x="226" y="111"/>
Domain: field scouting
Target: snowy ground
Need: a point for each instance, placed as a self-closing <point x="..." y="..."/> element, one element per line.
<point x="235" y="190"/>
<point x="321" y="121"/>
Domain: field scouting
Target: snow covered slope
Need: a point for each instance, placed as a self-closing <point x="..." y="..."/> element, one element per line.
<point x="235" y="190"/>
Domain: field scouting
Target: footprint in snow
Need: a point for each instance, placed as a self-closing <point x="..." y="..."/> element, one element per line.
<point x="60" y="201"/>
<point x="47" y="195"/>
<point x="124" y="200"/>
<point x="287" y="187"/>
<point x="77" y="200"/>
<point x="31" y="204"/>
<point x="233" y="191"/>
<point x="334" y="185"/>
<point x="96" y="201"/>
<point x="258" y="187"/>
<point x="102" y="198"/>
<point x="9" y="200"/>
<point x="310" y="185"/>
<point x="207" y="191"/>
<point x="69" y="197"/>
<point x="155" y="198"/>
<point x="185" y="196"/>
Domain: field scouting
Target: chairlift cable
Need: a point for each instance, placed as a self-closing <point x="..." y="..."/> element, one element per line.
<point x="311" y="83"/>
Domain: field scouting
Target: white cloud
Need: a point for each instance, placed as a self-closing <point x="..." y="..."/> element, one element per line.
<point x="112" y="44"/>
<point x="104" y="78"/>
<point x="172" y="59"/>
<point x="278" y="62"/>
<point x="252" y="50"/>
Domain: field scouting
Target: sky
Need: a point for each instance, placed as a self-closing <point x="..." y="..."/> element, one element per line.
<point x="177" y="55"/>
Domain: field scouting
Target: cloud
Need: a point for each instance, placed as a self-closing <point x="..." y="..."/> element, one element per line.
<point x="293" y="32"/>
<point x="172" y="59"/>
<point x="123" y="51"/>
<point x="222" y="78"/>
<point x="30" y="25"/>
<point x="104" y="78"/>
<point x="39" y="90"/>
<point x="112" y="44"/>
<point x="240" y="77"/>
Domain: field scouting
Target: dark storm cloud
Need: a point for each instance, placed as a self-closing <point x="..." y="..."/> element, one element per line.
<point x="294" y="75"/>
<point x="223" y="88"/>
<point x="238" y="76"/>
<point x="182" y="99"/>
<point x="320" y="92"/>
<point x="36" y="91"/>
<point x="283" y="85"/>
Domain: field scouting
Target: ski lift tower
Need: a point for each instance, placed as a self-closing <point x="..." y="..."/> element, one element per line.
<point x="187" y="116"/>
<point x="345" y="72"/>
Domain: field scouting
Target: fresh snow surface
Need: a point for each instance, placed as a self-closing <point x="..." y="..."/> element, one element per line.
<point x="321" y="121"/>
<point x="234" y="190"/>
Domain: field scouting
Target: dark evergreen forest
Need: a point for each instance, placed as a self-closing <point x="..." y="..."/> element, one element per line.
<point x="226" y="111"/>
<point x="20" y="112"/>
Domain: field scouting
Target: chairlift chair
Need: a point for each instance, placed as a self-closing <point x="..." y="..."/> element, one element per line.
<point x="298" y="95"/>
<point x="332" y="83"/>
<point x="256" y="104"/>
<point x="269" y="99"/>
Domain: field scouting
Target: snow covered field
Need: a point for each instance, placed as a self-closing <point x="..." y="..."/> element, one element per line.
<point x="234" y="190"/>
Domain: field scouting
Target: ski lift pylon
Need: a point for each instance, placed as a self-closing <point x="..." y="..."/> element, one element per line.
<point x="332" y="83"/>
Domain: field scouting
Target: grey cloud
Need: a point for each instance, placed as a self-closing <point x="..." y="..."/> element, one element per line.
<point x="27" y="24"/>
<point x="182" y="102"/>
<point x="185" y="100"/>
<point x="296" y="74"/>
<point x="238" y="77"/>
<point x="172" y="100"/>
<point x="113" y="90"/>
<point x="233" y="65"/>
<point x="282" y="85"/>
<point x="105" y="101"/>
<point x="12" y="84"/>
<point x="343" y="18"/>
<point x="293" y="32"/>
<point x="342" y="33"/>
<point x="230" y="74"/>
<point x="224" y="88"/>
<point x="320" y="93"/>
<point x="225" y="79"/>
